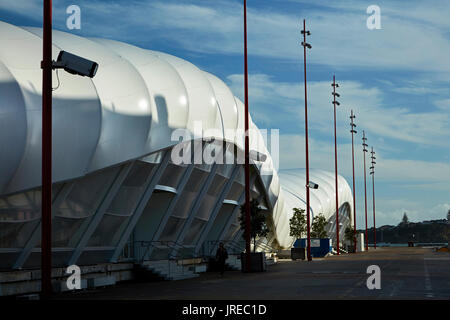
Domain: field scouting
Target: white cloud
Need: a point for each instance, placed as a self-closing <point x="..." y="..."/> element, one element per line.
<point x="401" y="185"/>
<point x="374" y="113"/>
<point x="32" y="9"/>
<point x="412" y="38"/>
<point x="414" y="213"/>
<point x="441" y="210"/>
<point x="443" y="104"/>
<point x="425" y="175"/>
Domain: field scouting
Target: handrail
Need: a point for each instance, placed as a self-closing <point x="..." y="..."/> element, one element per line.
<point x="237" y="245"/>
<point x="178" y="246"/>
<point x="147" y="245"/>
<point x="173" y="254"/>
<point x="266" y="246"/>
<point x="212" y="244"/>
<point x="233" y="245"/>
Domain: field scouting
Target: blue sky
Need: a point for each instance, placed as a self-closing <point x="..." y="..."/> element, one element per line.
<point x="396" y="79"/>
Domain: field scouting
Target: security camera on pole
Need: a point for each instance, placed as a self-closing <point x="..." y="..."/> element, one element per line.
<point x="75" y="65"/>
<point x="335" y="94"/>
<point x="308" y="208"/>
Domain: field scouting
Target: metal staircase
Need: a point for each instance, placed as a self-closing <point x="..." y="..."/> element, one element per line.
<point x="168" y="260"/>
<point x="169" y="270"/>
<point x="234" y="262"/>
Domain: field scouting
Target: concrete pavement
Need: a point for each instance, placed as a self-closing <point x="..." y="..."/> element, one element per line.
<point x="406" y="273"/>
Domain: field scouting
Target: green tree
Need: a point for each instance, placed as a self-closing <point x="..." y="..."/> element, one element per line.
<point x="258" y="223"/>
<point x="297" y="224"/>
<point x="405" y="220"/>
<point x="318" y="227"/>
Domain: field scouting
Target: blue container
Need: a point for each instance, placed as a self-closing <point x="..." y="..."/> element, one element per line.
<point x="319" y="247"/>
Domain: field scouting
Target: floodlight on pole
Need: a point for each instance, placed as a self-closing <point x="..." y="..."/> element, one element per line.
<point x="353" y="131"/>
<point x="372" y="172"/>
<point x="305" y="45"/>
<point x="364" y="144"/>
<point x="334" y="102"/>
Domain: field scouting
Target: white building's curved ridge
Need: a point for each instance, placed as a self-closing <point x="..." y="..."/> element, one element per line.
<point x="111" y="141"/>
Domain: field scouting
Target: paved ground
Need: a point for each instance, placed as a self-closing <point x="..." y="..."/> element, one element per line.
<point x="406" y="273"/>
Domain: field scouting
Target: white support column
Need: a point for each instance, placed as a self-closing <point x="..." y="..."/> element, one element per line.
<point x="35" y="236"/>
<point x="153" y="180"/>
<point x="97" y="218"/>
<point x="217" y="208"/>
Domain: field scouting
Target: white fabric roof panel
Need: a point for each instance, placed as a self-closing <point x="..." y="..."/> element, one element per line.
<point x="128" y="110"/>
<point x="322" y="200"/>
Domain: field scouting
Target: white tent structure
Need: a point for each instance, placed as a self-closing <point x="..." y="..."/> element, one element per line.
<point x="115" y="183"/>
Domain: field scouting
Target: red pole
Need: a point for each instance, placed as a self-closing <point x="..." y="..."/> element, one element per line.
<point x="352" y="116"/>
<point x="335" y="168"/>
<point x="308" y="208"/>
<point x="374" y="227"/>
<point x="247" y="146"/>
<point x="373" y="198"/>
<point x="46" y="203"/>
<point x="365" y="189"/>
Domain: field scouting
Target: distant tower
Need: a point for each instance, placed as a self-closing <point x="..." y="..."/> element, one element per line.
<point x="448" y="216"/>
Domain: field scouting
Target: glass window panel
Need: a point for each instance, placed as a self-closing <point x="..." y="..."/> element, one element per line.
<point x="225" y="170"/>
<point x="222" y="218"/>
<point x="152" y="215"/>
<point x="106" y="231"/>
<point x="217" y="185"/>
<point x="194" y="231"/>
<point x="172" y="175"/>
<point x="23" y="206"/>
<point x="125" y="201"/>
<point x="63" y="229"/>
<point x="86" y="194"/>
<point x="206" y="207"/>
<point x="235" y="192"/>
<point x="138" y="174"/>
<point x="231" y="233"/>
<point x="171" y="229"/>
<point x="16" y="234"/>
<point x="184" y="204"/>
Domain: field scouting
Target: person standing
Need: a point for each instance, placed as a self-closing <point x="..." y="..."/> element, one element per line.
<point x="221" y="257"/>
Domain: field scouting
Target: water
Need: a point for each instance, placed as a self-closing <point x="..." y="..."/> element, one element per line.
<point x="386" y="244"/>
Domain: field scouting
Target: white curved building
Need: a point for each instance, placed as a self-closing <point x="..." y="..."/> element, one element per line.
<point x="116" y="185"/>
